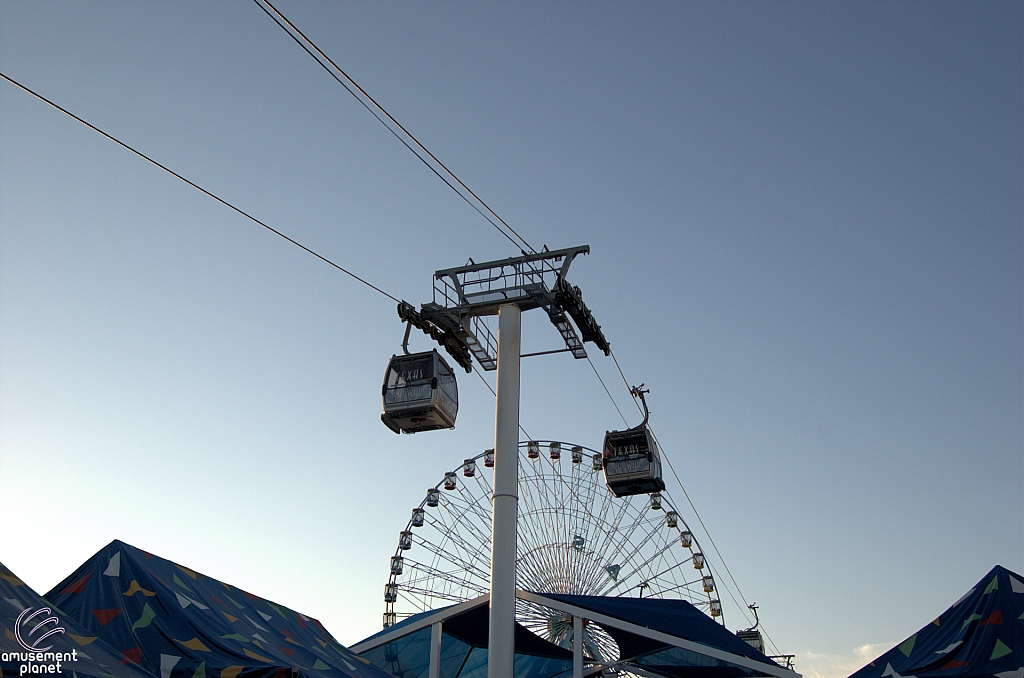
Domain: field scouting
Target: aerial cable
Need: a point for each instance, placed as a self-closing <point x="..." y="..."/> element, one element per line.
<point x="683" y="488"/>
<point x="377" y="110"/>
<point x="607" y="391"/>
<point x="210" y="194"/>
<point x="197" y="187"/>
<point x="710" y="538"/>
<point x="704" y="527"/>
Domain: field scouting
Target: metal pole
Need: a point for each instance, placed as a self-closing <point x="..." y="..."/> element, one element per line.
<point x="434" y="670"/>
<point x="501" y="634"/>
<point x="577" y="647"/>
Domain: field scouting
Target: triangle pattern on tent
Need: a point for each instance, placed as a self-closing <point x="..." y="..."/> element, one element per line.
<point x="188" y="625"/>
<point x="114" y="566"/>
<point x="167" y="663"/>
<point x="972" y="639"/>
<point x="971" y="618"/>
<point x="1000" y="649"/>
<point x="104" y="616"/>
<point x="101" y="660"/>
<point x="994" y="618"/>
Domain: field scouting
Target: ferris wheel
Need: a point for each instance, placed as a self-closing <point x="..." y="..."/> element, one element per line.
<point x="574" y="537"/>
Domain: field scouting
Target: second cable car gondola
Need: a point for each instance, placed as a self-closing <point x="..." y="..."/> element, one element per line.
<point x="631" y="460"/>
<point x="419" y="393"/>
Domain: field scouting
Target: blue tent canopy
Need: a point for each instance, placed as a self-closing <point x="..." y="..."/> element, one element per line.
<point x="43" y="627"/>
<point x="982" y="634"/>
<point x="178" y="623"/>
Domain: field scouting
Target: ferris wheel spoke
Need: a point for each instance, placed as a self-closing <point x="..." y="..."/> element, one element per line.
<point x="613" y="533"/>
<point x="536" y="529"/>
<point x="450" y="550"/>
<point x="538" y="567"/>
<point x="588" y="524"/>
<point x="677" y="587"/>
<point x="433" y="594"/>
<point x="470" y="565"/>
<point x="466" y="503"/>
<point x="604" y="536"/>
<point x="484" y="493"/>
<point x="431" y="575"/>
<point x="654" y="536"/>
<point x="638" y="550"/>
<point x="552" y="491"/>
<point x="463" y="529"/>
<point x="605" y="557"/>
<point x="635" y="525"/>
<point x="631" y="551"/>
<point x="464" y="532"/>
<point x="539" y="559"/>
<point x="460" y="575"/>
<point x="566" y="555"/>
<point x="478" y="500"/>
<point x="625" y="580"/>
<point x="638" y="568"/>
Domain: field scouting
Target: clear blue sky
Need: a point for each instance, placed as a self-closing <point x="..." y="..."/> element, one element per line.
<point x="806" y="232"/>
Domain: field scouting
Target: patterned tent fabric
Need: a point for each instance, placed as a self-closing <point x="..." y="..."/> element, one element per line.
<point x="982" y="634"/>
<point x="76" y="652"/>
<point x="178" y="623"/>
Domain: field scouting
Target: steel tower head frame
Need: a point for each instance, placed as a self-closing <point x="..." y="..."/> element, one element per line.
<point x="462" y="295"/>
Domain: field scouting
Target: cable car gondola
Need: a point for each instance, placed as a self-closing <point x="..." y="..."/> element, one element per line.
<point x="631" y="460"/>
<point x="420" y="393"/>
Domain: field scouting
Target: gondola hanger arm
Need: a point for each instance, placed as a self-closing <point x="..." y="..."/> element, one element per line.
<point x="638" y="392"/>
<point x="405" y="340"/>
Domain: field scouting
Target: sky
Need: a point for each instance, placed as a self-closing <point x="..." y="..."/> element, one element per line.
<point x="805" y="223"/>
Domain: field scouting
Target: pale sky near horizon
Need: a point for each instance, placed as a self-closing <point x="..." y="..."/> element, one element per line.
<point x="806" y="233"/>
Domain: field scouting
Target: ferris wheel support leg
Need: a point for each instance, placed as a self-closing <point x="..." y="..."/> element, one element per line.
<point x="501" y="634"/>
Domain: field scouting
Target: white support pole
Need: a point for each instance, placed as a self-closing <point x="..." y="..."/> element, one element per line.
<point x="501" y="634"/>
<point x="577" y="647"/>
<point x="435" y="650"/>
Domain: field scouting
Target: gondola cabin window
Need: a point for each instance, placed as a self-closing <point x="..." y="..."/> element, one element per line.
<point x="409" y="381"/>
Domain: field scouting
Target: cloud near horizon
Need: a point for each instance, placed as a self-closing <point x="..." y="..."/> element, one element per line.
<point x="813" y="665"/>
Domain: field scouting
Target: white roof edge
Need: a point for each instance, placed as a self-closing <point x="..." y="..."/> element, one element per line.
<point x="699" y="648"/>
<point x="427" y="620"/>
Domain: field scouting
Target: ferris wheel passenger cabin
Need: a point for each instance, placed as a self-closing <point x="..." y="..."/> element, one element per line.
<point x="420" y="393"/>
<point x="631" y="459"/>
